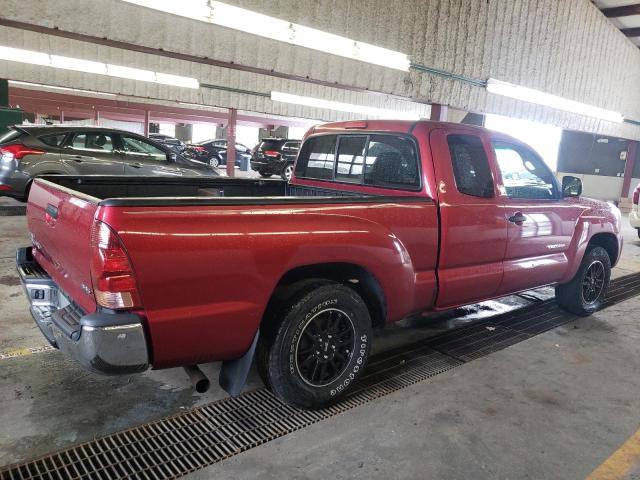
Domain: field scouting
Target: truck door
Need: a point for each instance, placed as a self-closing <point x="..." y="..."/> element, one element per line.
<point x="540" y="222"/>
<point x="473" y="231"/>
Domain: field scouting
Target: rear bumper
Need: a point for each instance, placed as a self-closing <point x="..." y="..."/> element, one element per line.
<point x="274" y="167"/>
<point x="103" y="342"/>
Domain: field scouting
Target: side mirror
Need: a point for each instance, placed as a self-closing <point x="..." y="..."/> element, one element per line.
<point x="571" y="186"/>
<point x="172" y="157"/>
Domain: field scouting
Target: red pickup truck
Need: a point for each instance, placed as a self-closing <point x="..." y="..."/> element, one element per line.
<point x="381" y="219"/>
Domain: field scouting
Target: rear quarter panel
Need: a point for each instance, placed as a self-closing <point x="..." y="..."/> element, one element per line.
<point x="206" y="273"/>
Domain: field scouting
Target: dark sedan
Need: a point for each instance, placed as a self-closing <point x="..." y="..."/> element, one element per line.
<point x="29" y="151"/>
<point x="214" y="152"/>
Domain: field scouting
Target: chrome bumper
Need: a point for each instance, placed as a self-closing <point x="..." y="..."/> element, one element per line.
<point x="102" y="342"/>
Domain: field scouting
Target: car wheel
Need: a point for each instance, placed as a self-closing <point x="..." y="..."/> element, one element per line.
<point x="265" y="174"/>
<point x="287" y="173"/>
<point x="319" y="349"/>
<point x="638" y="230"/>
<point x="214" y="162"/>
<point x="583" y="295"/>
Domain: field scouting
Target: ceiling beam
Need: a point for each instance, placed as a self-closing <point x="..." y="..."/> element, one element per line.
<point x="625" y="11"/>
<point x="631" y="32"/>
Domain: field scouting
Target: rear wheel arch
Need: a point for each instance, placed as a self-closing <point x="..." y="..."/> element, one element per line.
<point x="356" y="277"/>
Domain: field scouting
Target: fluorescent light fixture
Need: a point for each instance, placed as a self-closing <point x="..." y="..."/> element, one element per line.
<point x="89" y="66"/>
<point x="553" y="101"/>
<point x="42" y="85"/>
<point x="344" y="107"/>
<point x="237" y="18"/>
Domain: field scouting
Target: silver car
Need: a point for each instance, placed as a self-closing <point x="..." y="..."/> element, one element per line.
<point x="29" y="151"/>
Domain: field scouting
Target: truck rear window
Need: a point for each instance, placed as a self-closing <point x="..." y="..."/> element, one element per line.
<point x="381" y="160"/>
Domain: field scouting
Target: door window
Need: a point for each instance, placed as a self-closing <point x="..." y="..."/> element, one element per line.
<point x="524" y="174"/>
<point x="137" y="147"/>
<point x="470" y="166"/>
<point x="93" y="142"/>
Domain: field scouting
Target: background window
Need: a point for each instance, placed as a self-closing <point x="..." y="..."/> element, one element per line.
<point x="524" y="175"/>
<point x="139" y="148"/>
<point x="97" y="142"/>
<point x="350" y="158"/>
<point x="470" y="166"/>
<point x="317" y="158"/>
<point x="391" y="162"/>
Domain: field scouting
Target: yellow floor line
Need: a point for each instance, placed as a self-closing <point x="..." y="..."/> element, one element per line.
<point x="620" y="463"/>
<point x="23" y="352"/>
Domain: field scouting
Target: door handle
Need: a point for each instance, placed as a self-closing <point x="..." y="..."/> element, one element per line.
<point x="135" y="165"/>
<point x="78" y="159"/>
<point x="518" y="218"/>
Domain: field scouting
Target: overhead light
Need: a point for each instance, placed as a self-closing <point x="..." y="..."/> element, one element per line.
<point x="553" y="101"/>
<point x="237" y="18"/>
<point x="68" y="89"/>
<point x="89" y="66"/>
<point x="345" y="107"/>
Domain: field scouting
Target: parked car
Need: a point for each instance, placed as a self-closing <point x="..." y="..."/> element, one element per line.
<point x="275" y="156"/>
<point x="214" y="152"/>
<point x="381" y="219"/>
<point x="634" y="215"/>
<point x="29" y="151"/>
<point x="175" y="145"/>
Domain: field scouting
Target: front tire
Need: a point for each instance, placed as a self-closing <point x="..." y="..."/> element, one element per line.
<point x="214" y="162"/>
<point x="583" y="295"/>
<point x="320" y="347"/>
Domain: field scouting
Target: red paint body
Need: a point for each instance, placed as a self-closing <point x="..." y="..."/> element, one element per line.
<point x="206" y="273"/>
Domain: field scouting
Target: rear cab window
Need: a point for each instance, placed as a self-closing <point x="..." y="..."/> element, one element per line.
<point x="376" y="160"/>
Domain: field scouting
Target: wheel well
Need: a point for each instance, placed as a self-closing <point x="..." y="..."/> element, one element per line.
<point x="609" y="242"/>
<point x="348" y="274"/>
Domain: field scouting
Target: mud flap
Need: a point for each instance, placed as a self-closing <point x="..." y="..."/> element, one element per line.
<point x="233" y="373"/>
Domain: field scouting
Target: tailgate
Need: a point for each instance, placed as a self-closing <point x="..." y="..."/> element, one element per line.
<point x="60" y="222"/>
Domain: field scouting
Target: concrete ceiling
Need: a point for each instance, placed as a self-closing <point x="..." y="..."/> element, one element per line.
<point x="627" y="19"/>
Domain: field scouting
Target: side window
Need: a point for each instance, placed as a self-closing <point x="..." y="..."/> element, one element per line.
<point x="351" y="158"/>
<point x="524" y="174"/>
<point x="470" y="166"/>
<point x="317" y="158"/>
<point x="137" y="147"/>
<point x="93" y="142"/>
<point x="391" y="162"/>
<point x="54" y="140"/>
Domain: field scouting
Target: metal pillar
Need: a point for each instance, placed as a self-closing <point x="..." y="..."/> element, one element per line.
<point x="61" y="116"/>
<point x="439" y="112"/>
<point x="231" y="142"/>
<point x="96" y="117"/>
<point x="147" y="120"/>
<point x="628" y="168"/>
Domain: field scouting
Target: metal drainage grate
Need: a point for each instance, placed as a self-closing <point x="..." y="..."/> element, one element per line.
<point x="183" y="443"/>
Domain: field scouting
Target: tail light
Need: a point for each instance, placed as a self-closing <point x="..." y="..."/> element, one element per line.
<point x="272" y="153"/>
<point x="636" y="195"/>
<point x="17" y="151"/>
<point x="114" y="284"/>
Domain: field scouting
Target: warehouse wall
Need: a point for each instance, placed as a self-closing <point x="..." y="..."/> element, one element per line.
<point x="564" y="47"/>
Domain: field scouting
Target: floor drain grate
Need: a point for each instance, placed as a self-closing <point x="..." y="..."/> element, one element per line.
<point x="177" y="445"/>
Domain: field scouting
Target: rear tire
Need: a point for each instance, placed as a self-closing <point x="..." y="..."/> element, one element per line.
<point x="287" y="173"/>
<point x="583" y="295"/>
<point x="320" y="347"/>
<point x="214" y="162"/>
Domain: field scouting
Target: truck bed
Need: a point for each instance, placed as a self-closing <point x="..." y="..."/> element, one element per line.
<point x="145" y="191"/>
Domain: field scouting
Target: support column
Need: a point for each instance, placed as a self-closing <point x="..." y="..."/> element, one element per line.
<point x="96" y="117"/>
<point x="439" y="112"/>
<point x="61" y="116"/>
<point x="629" y="167"/>
<point x="147" y="120"/>
<point x="231" y="142"/>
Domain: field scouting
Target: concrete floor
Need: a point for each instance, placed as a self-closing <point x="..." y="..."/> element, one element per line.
<point x="552" y="407"/>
